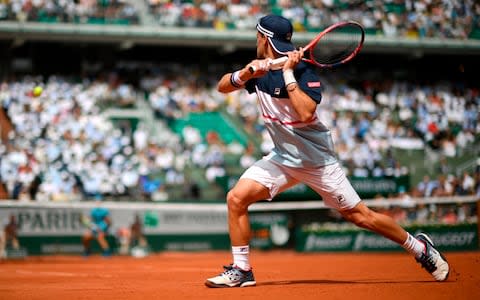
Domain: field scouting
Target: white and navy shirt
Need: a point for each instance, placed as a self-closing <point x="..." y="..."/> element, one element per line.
<point x="296" y="144"/>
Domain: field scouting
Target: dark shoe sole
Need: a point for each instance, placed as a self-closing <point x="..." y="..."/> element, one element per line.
<point x="244" y="284"/>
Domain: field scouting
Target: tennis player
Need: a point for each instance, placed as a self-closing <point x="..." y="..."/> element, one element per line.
<point x="303" y="152"/>
<point x="97" y="228"/>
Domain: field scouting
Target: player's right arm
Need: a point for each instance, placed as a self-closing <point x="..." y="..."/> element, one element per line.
<point x="303" y="104"/>
<point x="234" y="81"/>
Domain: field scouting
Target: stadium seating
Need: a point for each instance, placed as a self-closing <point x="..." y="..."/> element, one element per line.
<point x="207" y="122"/>
<point x="440" y="19"/>
<point x="171" y="168"/>
<point x="83" y="12"/>
<point x="422" y="122"/>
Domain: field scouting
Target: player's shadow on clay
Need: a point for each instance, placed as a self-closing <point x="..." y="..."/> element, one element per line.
<point x="325" y="281"/>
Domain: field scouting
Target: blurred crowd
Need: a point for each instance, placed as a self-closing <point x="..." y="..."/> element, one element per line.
<point x="65" y="148"/>
<point x="406" y="211"/>
<point x="62" y="147"/>
<point x="366" y="122"/>
<point x="391" y="18"/>
<point x="69" y="11"/>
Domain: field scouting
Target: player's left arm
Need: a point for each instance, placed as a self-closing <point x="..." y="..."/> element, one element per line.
<point x="236" y="80"/>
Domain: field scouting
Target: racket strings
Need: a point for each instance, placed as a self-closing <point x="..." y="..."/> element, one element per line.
<point x="333" y="57"/>
<point x="335" y="47"/>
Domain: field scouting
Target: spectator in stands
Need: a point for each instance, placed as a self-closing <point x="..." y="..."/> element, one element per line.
<point x="422" y="214"/>
<point x="450" y="216"/>
<point x="61" y="140"/>
<point x="140" y="137"/>
<point x="191" y="136"/>
<point x="463" y="213"/>
<point x="467" y="184"/>
<point x="112" y="12"/>
<point x="405" y="198"/>
<point x="424" y="188"/>
<point x="444" y="187"/>
<point x="150" y="187"/>
<point x="248" y="159"/>
<point x="417" y="19"/>
<point x="414" y="19"/>
<point x="72" y="149"/>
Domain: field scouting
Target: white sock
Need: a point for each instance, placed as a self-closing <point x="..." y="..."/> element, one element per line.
<point x="240" y="257"/>
<point x="414" y="246"/>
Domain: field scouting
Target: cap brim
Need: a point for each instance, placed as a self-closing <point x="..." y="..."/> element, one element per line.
<point x="281" y="47"/>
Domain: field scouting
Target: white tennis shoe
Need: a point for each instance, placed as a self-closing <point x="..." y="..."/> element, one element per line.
<point x="232" y="276"/>
<point x="432" y="260"/>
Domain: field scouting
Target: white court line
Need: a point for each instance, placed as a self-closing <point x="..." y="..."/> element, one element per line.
<point x="194" y="269"/>
<point x="157" y="270"/>
<point x="49" y="273"/>
<point x="60" y="274"/>
<point x="183" y="269"/>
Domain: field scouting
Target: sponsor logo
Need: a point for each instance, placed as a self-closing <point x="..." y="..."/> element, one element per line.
<point x="315" y="242"/>
<point x="453" y="239"/>
<point x="364" y="241"/>
<point x="313" y="84"/>
<point x="188" y="246"/>
<point x="340" y="198"/>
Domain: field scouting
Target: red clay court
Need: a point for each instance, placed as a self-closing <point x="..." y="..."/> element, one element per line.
<point x="279" y="275"/>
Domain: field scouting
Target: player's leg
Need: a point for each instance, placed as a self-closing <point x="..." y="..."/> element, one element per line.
<point x="86" y="241"/>
<point x="337" y="192"/>
<point x="421" y="246"/>
<point x="382" y="224"/>
<point x="245" y="192"/>
<point x="261" y="181"/>
<point x="102" y="241"/>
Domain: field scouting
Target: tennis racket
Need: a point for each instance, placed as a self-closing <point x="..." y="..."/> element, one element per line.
<point x="334" y="46"/>
<point x="87" y="222"/>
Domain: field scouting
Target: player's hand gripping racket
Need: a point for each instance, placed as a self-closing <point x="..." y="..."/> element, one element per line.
<point x="334" y="46"/>
<point x="87" y="222"/>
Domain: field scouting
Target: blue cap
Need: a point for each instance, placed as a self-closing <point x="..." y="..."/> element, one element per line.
<point x="279" y="32"/>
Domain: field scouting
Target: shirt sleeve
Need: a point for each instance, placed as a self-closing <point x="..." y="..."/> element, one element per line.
<point x="309" y="81"/>
<point x="250" y="85"/>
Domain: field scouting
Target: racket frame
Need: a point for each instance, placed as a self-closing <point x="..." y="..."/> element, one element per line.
<point x="277" y="63"/>
<point x="311" y="46"/>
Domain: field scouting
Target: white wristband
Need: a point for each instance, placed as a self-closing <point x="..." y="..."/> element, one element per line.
<point x="236" y="78"/>
<point x="288" y="77"/>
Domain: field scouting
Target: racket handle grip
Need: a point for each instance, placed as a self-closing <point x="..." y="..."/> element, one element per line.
<point x="273" y="64"/>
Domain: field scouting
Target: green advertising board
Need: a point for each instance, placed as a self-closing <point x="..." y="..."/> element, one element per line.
<point x="57" y="228"/>
<point x="36" y="245"/>
<point x="270" y="230"/>
<point x="446" y="238"/>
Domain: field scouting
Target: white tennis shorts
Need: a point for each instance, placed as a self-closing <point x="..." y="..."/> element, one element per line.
<point x="328" y="181"/>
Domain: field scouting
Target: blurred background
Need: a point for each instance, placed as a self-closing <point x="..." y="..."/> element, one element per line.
<point x="115" y="102"/>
